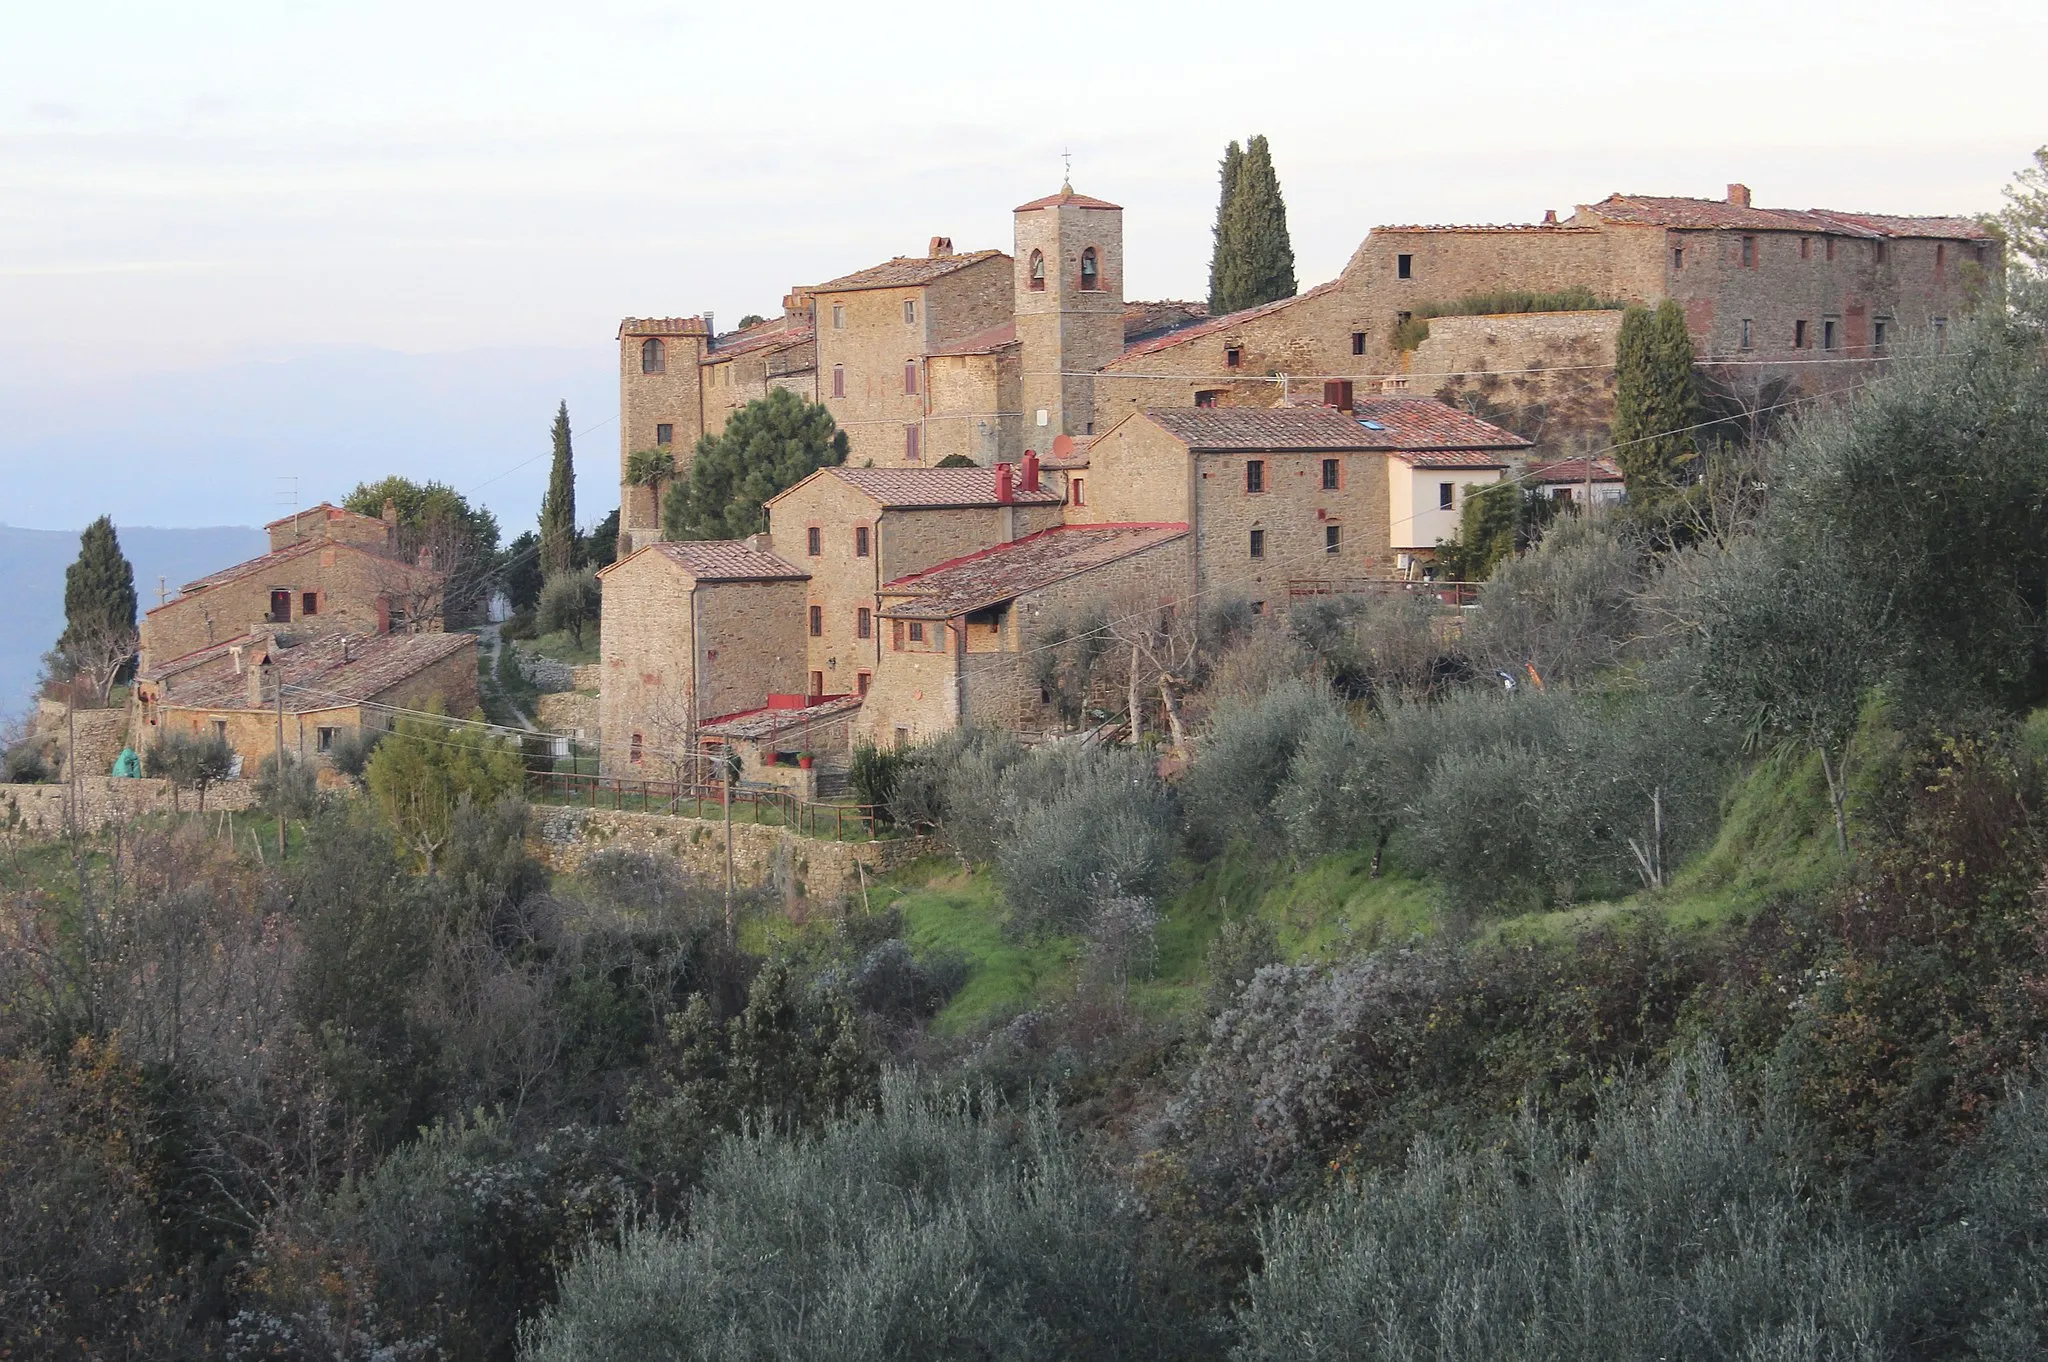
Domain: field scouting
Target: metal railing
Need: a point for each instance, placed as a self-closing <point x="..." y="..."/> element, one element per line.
<point x="759" y="805"/>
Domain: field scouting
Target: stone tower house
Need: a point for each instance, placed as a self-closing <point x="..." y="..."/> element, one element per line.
<point x="1070" y="309"/>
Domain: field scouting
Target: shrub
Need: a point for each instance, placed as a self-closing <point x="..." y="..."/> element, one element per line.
<point x="1098" y="826"/>
<point x="351" y="749"/>
<point x="288" y="791"/>
<point x="189" y="762"/>
<point x="24" y="765"/>
<point x="1244" y="761"/>
<point x="1566" y="607"/>
<point x="873" y="774"/>
<point x="569" y="603"/>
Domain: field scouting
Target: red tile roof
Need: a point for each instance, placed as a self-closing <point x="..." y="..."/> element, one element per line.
<point x="1009" y="570"/>
<point x="765" y="335"/>
<point x="1571" y="470"/>
<point x="933" y="488"/>
<point x="982" y="342"/>
<point x="1213" y="325"/>
<point x="1485" y="227"/>
<point x="719" y="560"/>
<point x="1143" y="321"/>
<point x="1448" y="458"/>
<point x="1066" y="198"/>
<point x="664" y="326"/>
<point x="905" y="271"/>
<point x="198" y="657"/>
<point x="1391" y="424"/>
<point x="770" y="722"/>
<point x="1650" y="210"/>
<point x="275" y="558"/>
<point x="329" y="672"/>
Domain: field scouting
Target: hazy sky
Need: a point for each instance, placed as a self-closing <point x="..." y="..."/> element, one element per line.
<point x="192" y="185"/>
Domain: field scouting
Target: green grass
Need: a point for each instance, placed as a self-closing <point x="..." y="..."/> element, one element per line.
<point x="560" y="647"/>
<point x="947" y="909"/>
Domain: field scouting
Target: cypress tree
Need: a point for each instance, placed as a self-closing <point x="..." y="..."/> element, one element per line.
<point x="558" y="507"/>
<point x="1656" y="402"/>
<point x="1256" y="263"/>
<point x="99" y="590"/>
<point x="1225" y="249"/>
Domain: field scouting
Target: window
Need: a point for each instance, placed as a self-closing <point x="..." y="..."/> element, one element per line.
<point x="1678" y="257"/>
<point x="1332" y="471"/>
<point x="1799" y="335"/>
<point x="652" y="358"/>
<point x="220" y="729"/>
<point x="1333" y="538"/>
<point x="1747" y="327"/>
<point x="1404" y="267"/>
<point x="1982" y="250"/>
<point x="1806" y="248"/>
<point x="1038" y="271"/>
<point x="1091" y="276"/>
<point x="1877" y="252"/>
<point x="1254" y="475"/>
<point x="1358" y="342"/>
<point x="902" y="738"/>
<point x="838" y="316"/>
<point x="1830" y="248"/>
<point x="862" y="681"/>
<point x="1446" y="495"/>
<point x="633" y="749"/>
<point x="917" y="631"/>
<point x="817" y="621"/>
<point x="1258" y="543"/>
<point x="839" y="380"/>
<point x="863" y="623"/>
<point x="910" y="312"/>
<point x="1077" y="491"/>
<point x="817" y="684"/>
<point x="1749" y="252"/>
<point x="814" y="541"/>
<point x="913" y="444"/>
<point x="1879" y="328"/>
<point x="1258" y="607"/>
<point x="664" y="434"/>
<point x="281" y="607"/>
<point x="860" y="541"/>
<point x="910" y="378"/>
<point x="1940" y="258"/>
<point x="323" y="739"/>
<point x="309" y="603"/>
<point x="1827" y="334"/>
<point x="1207" y="397"/>
<point x="1233" y="356"/>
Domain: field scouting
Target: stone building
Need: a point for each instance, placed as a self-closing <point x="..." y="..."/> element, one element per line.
<point x="960" y="635"/>
<point x="314" y="586"/>
<point x="328" y="521"/>
<point x="692" y="631"/>
<point x="334" y="684"/>
<point x="857" y="528"/>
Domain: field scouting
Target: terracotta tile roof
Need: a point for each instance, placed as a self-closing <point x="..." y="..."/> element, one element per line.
<point x="982" y="342"/>
<point x="1213" y="325"/>
<point x="1571" y="470"/>
<point x="329" y="672"/>
<point x="1448" y="458"/>
<point x="769" y="723"/>
<point x="905" y="271"/>
<point x="1958" y="229"/>
<point x="719" y="560"/>
<point x="326" y="510"/>
<point x="664" y="326"/>
<point x="1009" y="570"/>
<point x="1068" y="198"/>
<point x="765" y="335"/>
<point x="1142" y="321"/>
<point x="198" y="657"/>
<point x="1485" y="227"/>
<point x="1655" y="211"/>
<point x="275" y="558"/>
<point x="933" y="488"/>
<point x="1413" y="423"/>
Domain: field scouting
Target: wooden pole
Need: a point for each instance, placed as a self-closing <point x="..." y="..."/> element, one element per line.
<point x="731" y="928"/>
<point x="277" y="786"/>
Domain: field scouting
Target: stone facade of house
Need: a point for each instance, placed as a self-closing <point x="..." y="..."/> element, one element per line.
<point x="328" y="521"/>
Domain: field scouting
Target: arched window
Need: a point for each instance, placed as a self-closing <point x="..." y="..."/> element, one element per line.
<point x="1038" y="271"/>
<point x="651" y="357"/>
<point x="1090" y="280"/>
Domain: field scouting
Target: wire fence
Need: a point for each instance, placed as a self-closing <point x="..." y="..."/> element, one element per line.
<point x="693" y="799"/>
<point x="1457" y="594"/>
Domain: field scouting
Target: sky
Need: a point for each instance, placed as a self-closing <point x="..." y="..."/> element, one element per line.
<point x="242" y="243"/>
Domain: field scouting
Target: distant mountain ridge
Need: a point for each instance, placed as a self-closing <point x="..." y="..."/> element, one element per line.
<point x="32" y="564"/>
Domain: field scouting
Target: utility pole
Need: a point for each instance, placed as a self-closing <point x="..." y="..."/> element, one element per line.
<point x="277" y="780"/>
<point x="725" y="784"/>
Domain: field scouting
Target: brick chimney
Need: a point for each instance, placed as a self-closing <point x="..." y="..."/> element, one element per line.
<point x="1738" y="195"/>
<point x="1005" y="489"/>
<point x="1550" y="217"/>
<point x="1031" y="470"/>
<point x="941" y="246"/>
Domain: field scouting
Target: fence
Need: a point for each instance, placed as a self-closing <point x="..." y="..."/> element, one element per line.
<point x="1449" y="593"/>
<point x="691" y="799"/>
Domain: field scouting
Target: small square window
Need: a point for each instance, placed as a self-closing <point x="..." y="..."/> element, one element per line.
<point x="910" y="312"/>
<point x="1358" y="342"/>
<point x="862" y="681"/>
<point x="1077" y="491"/>
<point x="220" y="729"/>
<point x="1207" y="397"/>
<point x="1446" y="496"/>
<point x="838" y="317"/>
<point x="1332" y="472"/>
<point x="917" y="631"/>
<point x="913" y="443"/>
<point x="1799" y="335"/>
<point x="1827" y="335"/>
<point x="1333" y="538"/>
<point x="1678" y="257"/>
<point x="817" y="621"/>
<point x="323" y="739"/>
<point x="1879" y="331"/>
<point x="860" y="541"/>
<point x="664" y="434"/>
<point x="1233" y="357"/>
<point x="1258" y="544"/>
<point x="309" y="603"/>
<point x="1258" y="607"/>
<point x="814" y="541"/>
<point x="1254" y="475"/>
<point x="863" y="623"/>
<point x="1404" y="266"/>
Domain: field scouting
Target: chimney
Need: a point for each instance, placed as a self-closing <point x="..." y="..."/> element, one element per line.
<point x="1738" y="195"/>
<point x="1550" y="217"/>
<point x="345" y="658"/>
<point x="257" y="677"/>
<point x="941" y="246"/>
<point x="1005" y="493"/>
<point x="709" y="328"/>
<point x="1031" y="470"/>
<point x="760" y="543"/>
<point x="1337" y="393"/>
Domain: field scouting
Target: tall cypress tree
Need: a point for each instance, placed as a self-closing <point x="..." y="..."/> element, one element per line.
<point x="1656" y="402"/>
<point x="1225" y="249"/>
<point x="1255" y="252"/>
<point x="558" y="507"/>
<point x="99" y="590"/>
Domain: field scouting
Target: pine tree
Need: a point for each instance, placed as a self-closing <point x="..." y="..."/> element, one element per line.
<point x="1255" y="255"/>
<point x="770" y="444"/>
<point x="1656" y="402"/>
<point x="99" y="589"/>
<point x="558" y="507"/>
<point x="1225" y="249"/>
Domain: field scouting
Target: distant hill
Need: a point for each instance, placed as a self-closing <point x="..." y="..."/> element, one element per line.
<point x="32" y="564"/>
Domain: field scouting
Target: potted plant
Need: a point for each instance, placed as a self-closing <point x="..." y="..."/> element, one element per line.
<point x="804" y="760"/>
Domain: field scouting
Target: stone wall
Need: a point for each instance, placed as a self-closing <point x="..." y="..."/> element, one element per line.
<point x="570" y="713"/>
<point x="347" y="581"/>
<point x="801" y="871"/>
<point x="41" y="810"/>
<point x="1547" y="376"/>
<point x="673" y="397"/>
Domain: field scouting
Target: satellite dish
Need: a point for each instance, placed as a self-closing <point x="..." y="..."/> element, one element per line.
<point x="1062" y="445"/>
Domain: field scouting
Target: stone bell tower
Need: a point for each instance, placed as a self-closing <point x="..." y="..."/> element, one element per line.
<point x="1070" y="309"/>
